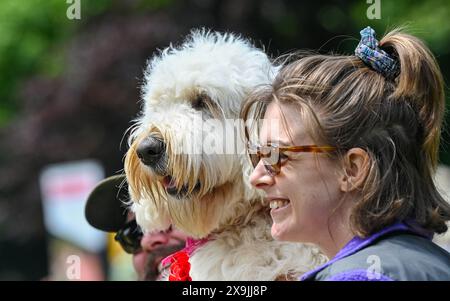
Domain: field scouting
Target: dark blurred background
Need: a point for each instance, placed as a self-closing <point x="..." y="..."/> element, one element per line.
<point x="69" y="88"/>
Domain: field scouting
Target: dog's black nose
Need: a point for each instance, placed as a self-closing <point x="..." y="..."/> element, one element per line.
<point x="150" y="150"/>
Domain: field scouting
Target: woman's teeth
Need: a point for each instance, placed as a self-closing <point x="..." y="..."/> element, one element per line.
<point x="275" y="204"/>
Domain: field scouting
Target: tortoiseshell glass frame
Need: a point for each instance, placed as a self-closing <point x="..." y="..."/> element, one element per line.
<point x="270" y="154"/>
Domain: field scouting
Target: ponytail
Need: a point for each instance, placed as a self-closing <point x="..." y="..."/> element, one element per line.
<point x="419" y="82"/>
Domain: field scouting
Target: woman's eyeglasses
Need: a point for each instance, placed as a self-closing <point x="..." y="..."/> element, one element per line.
<point x="130" y="237"/>
<point x="273" y="155"/>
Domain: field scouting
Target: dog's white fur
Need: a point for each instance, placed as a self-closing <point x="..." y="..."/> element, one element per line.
<point x="225" y="208"/>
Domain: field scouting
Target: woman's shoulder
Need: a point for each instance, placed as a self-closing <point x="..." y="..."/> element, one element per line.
<point x="395" y="257"/>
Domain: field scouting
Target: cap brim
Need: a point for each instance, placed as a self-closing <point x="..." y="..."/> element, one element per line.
<point x="105" y="208"/>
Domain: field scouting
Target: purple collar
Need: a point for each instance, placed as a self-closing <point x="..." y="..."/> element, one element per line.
<point x="357" y="243"/>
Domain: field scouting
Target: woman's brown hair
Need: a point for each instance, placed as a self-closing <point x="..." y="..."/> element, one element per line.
<point x="396" y="121"/>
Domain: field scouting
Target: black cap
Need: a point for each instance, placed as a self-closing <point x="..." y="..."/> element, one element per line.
<point x="105" y="208"/>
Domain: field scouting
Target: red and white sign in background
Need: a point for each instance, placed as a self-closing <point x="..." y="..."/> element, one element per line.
<point x="65" y="188"/>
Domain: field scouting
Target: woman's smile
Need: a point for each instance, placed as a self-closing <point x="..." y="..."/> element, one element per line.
<point x="280" y="208"/>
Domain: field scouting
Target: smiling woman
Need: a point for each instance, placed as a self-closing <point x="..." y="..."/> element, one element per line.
<point x="360" y="137"/>
<point x="305" y="191"/>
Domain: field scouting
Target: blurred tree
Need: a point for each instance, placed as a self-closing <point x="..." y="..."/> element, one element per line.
<point x="426" y="19"/>
<point x="28" y="30"/>
<point x="32" y="35"/>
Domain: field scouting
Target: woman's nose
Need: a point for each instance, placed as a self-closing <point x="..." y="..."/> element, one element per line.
<point x="259" y="178"/>
<point x="151" y="241"/>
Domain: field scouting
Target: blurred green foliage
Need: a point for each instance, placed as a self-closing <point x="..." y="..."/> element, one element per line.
<point x="29" y="31"/>
<point x="428" y="20"/>
<point x="32" y="40"/>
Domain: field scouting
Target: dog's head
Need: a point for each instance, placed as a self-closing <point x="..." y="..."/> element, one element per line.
<point x="186" y="164"/>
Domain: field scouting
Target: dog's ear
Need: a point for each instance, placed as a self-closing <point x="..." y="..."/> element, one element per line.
<point x="202" y="101"/>
<point x="199" y="101"/>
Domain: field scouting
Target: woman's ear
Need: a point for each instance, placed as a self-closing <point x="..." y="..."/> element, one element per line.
<point x="356" y="168"/>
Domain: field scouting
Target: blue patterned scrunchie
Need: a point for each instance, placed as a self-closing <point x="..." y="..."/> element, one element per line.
<point x="375" y="57"/>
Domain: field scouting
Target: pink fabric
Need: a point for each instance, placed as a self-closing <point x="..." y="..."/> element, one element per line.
<point x="192" y="244"/>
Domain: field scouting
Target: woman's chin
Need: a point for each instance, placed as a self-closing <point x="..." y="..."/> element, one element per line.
<point x="284" y="232"/>
<point x="277" y="231"/>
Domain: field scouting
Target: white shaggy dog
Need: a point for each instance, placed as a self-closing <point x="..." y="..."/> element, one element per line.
<point x="174" y="180"/>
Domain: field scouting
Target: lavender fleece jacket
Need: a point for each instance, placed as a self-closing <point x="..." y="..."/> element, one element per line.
<point x="398" y="245"/>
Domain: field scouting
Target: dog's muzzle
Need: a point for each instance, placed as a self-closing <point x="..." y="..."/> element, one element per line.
<point x="151" y="150"/>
